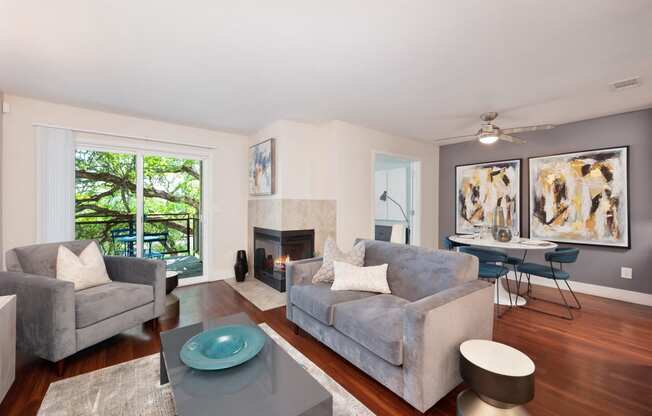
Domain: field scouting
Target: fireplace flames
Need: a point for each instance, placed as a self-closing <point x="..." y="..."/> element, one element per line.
<point x="281" y="262"/>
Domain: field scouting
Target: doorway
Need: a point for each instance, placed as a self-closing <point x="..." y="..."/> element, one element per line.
<point x="141" y="205"/>
<point x="396" y="199"/>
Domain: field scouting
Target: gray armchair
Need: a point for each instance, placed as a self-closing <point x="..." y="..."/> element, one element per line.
<point x="53" y="321"/>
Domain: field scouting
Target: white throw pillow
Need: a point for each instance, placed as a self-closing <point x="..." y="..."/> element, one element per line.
<point x="367" y="279"/>
<point x="326" y="274"/>
<point x="85" y="271"/>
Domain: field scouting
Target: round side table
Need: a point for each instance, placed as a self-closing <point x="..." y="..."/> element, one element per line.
<point x="171" y="300"/>
<point x="501" y="379"/>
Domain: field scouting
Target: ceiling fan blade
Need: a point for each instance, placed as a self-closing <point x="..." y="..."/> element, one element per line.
<point x="528" y="128"/>
<point x="511" y="139"/>
<point x="458" y="138"/>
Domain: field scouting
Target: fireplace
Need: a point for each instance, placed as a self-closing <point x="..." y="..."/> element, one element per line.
<point x="273" y="249"/>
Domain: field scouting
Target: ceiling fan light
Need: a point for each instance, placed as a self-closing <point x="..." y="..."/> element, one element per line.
<point x="488" y="138"/>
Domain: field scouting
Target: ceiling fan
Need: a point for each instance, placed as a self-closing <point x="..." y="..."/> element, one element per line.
<point x="490" y="133"/>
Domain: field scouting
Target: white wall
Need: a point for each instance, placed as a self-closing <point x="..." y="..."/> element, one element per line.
<point x="2" y="257"/>
<point x="355" y="158"/>
<point x="304" y="160"/>
<point x="18" y="191"/>
<point x="335" y="161"/>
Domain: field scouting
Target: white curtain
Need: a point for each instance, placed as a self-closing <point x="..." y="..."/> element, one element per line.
<point x="55" y="175"/>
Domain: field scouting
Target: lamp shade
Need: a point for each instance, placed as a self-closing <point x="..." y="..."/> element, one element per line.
<point x="383" y="196"/>
<point x="488" y="138"/>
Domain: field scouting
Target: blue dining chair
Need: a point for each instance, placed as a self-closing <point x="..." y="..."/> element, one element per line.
<point x="491" y="267"/>
<point x="449" y="244"/>
<point x="561" y="256"/>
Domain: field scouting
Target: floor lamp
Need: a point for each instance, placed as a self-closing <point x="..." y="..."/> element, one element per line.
<point x="384" y="197"/>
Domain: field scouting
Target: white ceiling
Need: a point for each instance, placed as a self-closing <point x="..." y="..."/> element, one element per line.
<point x="419" y="68"/>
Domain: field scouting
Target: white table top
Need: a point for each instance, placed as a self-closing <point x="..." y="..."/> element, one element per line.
<point x="4" y="300"/>
<point x="497" y="358"/>
<point x="521" y="244"/>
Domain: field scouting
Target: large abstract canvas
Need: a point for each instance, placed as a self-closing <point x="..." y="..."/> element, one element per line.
<point x="261" y="168"/>
<point x="480" y="188"/>
<point x="581" y="197"/>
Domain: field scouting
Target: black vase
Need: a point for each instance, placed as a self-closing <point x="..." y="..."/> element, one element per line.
<point x="241" y="266"/>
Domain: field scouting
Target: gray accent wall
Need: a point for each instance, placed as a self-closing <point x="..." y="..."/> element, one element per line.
<point x="596" y="265"/>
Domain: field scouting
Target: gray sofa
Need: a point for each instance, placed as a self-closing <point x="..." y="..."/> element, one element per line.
<point x="409" y="340"/>
<point x="54" y="321"/>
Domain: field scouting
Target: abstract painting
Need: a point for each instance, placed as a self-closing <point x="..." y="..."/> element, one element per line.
<point x="261" y="168"/>
<point x="480" y="188"/>
<point x="581" y="197"/>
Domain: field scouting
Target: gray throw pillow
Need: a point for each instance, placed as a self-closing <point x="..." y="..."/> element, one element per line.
<point x="326" y="274"/>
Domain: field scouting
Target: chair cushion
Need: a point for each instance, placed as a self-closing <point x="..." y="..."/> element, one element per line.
<point x="41" y="259"/>
<point x="317" y="300"/>
<point x="543" y="271"/>
<point x="84" y="271"/>
<point x="491" y="271"/>
<point x="105" y="301"/>
<point x="375" y="323"/>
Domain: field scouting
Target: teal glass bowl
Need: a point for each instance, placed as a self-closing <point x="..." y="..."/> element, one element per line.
<point x="222" y="347"/>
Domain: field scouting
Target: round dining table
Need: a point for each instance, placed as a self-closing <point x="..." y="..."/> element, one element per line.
<point x="522" y="245"/>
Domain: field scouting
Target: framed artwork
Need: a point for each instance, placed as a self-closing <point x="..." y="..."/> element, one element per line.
<point x="480" y="188"/>
<point x="261" y="168"/>
<point x="581" y="197"/>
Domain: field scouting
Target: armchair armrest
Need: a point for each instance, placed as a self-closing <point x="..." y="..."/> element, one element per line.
<point x="141" y="271"/>
<point x="298" y="273"/>
<point x="45" y="314"/>
<point x="434" y="328"/>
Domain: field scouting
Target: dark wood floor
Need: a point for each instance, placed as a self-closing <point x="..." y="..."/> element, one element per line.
<point x="598" y="364"/>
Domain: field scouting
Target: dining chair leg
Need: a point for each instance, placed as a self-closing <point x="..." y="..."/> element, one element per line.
<point x="565" y="304"/>
<point x="568" y="308"/>
<point x="577" y="302"/>
<point x="578" y="307"/>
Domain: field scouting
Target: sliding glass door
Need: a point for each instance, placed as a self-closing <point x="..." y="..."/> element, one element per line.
<point x="105" y="200"/>
<point x="172" y="213"/>
<point x="142" y="205"/>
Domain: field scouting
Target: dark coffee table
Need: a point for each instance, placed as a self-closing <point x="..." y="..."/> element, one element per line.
<point x="270" y="384"/>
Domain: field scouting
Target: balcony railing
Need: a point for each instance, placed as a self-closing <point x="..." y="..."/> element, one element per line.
<point x="164" y="235"/>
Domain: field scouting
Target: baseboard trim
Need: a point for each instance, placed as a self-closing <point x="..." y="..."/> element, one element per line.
<point x="597" y="290"/>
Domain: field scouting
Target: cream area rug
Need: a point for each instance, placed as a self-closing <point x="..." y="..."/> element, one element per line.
<point x="258" y="293"/>
<point x="133" y="388"/>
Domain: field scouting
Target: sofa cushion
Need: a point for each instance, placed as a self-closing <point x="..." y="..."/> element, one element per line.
<point x="416" y="272"/>
<point x="332" y="253"/>
<point x="318" y="300"/>
<point x="105" y="301"/>
<point x="375" y="323"/>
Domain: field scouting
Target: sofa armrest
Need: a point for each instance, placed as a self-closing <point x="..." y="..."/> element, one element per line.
<point x="299" y="272"/>
<point x="45" y="314"/>
<point x="434" y="328"/>
<point x="141" y="271"/>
